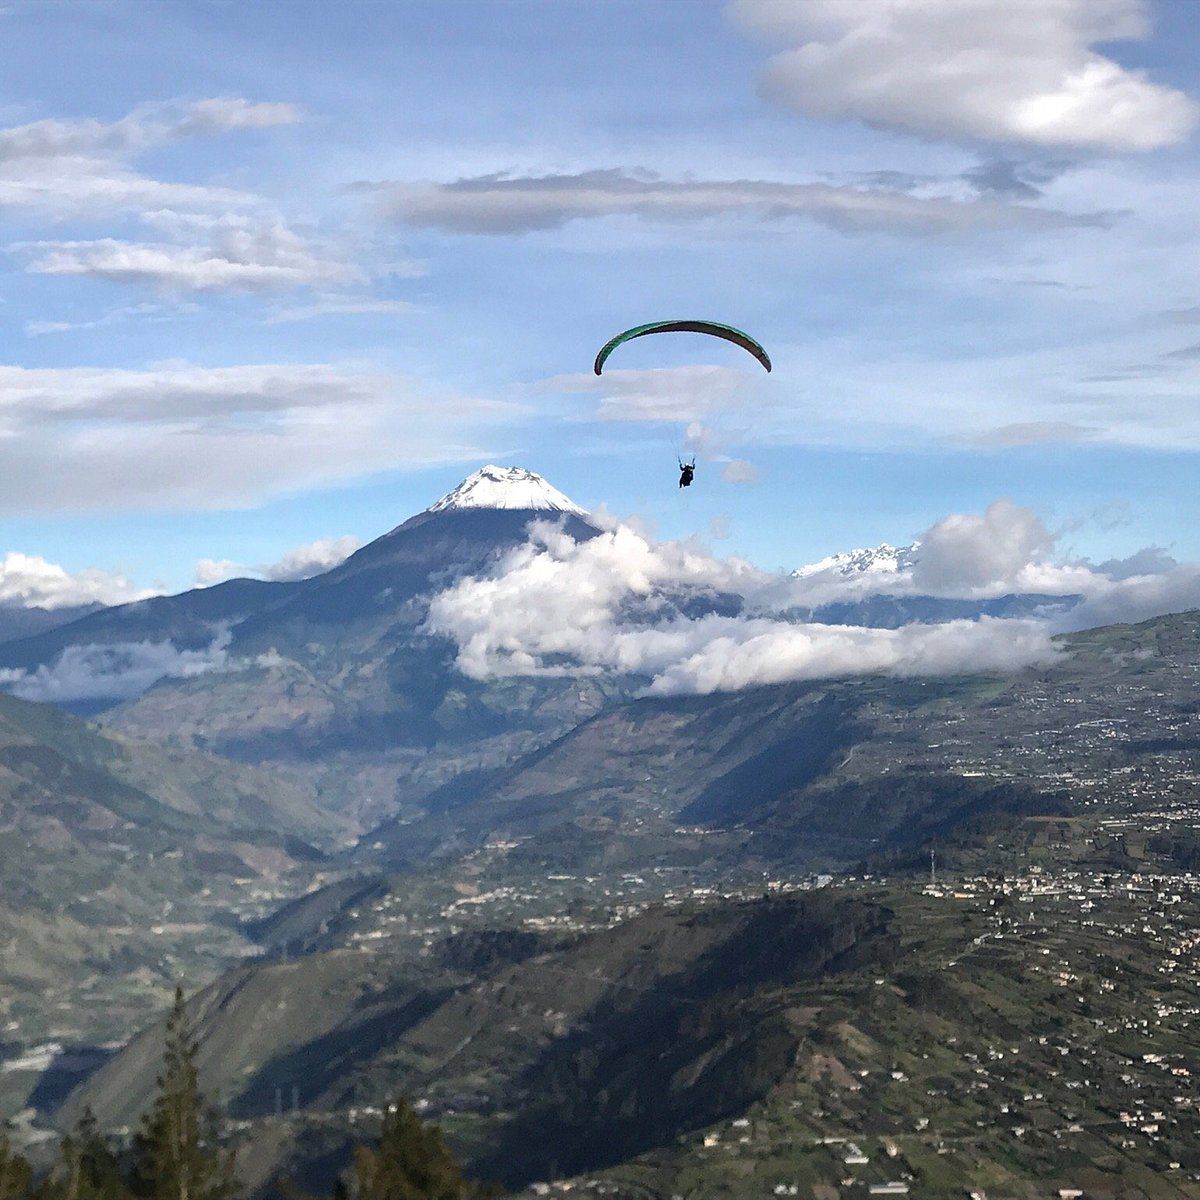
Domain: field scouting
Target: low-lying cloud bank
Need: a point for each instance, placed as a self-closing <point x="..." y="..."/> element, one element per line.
<point x="693" y="623"/>
<point x="688" y="621"/>
<point x="117" y="671"/>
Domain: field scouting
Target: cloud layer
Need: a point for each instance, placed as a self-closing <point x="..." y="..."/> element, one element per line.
<point x="217" y="437"/>
<point x="118" y="671"/>
<point x="506" y="204"/>
<point x="1005" y="70"/>
<point x="73" y="167"/>
<point x="559" y="606"/>
<point x="691" y="622"/>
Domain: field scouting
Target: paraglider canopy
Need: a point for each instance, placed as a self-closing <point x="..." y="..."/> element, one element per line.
<point x="712" y="328"/>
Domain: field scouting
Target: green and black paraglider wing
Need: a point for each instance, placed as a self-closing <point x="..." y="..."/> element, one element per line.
<point x="712" y="328"/>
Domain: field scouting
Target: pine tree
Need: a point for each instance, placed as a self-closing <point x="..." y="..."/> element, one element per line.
<point x="86" y="1169"/>
<point x="174" y="1159"/>
<point x="411" y="1162"/>
<point x="15" y="1173"/>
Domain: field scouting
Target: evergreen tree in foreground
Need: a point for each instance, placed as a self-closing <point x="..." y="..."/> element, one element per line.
<point x="173" y="1158"/>
<point x="410" y="1163"/>
<point x="15" y="1173"/>
<point x="87" y="1169"/>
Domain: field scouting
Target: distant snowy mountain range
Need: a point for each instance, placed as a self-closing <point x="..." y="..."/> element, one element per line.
<point x="879" y="560"/>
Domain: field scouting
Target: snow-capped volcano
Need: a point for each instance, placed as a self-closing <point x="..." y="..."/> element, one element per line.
<point x="879" y="560"/>
<point x="506" y="487"/>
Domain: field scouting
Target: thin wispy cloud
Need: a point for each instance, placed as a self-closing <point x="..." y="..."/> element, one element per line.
<point x="64" y="167"/>
<point x="340" y="306"/>
<point x="112" y="671"/>
<point x="216" y="438"/>
<point x="506" y="204"/>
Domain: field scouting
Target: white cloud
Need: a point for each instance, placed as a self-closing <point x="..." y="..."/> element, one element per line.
<point x="341" y="306"/>
<point x="1150" y="560"/>
<point x="738" y="470"/>
<point x="117" y="671"/>
<point x="223" y="114"/>
<point x="145" y="127"/>
<point x="313" y="558"/>
<point x="980" y="554"/>
<point x="182" y="268"/>
<point x="221" y="437"/>
<point x="555" y="599"/>
<point x="501" y="204"/>
<point x="32" y="582"/>
<point x="722" y="654"/>
<point x="81" y="166"/>
<point x="114" y="316"/>
<point x="1006" y="70"/>
<point x="674" y="394"/>
<point x="624" y="603"/>
<point x="239" y="253"/>
<point x="217" y="570"/>
<point x="1135" y="598"/>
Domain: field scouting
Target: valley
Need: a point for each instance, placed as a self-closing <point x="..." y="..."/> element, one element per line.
<point x="839" y="936"/>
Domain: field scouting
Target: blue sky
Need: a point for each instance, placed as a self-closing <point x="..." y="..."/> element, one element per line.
<point x="282" y="273"/>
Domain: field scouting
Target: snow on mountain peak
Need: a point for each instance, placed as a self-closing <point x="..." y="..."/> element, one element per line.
<point x="505" y="487"/>
<point x="878" y="560"/>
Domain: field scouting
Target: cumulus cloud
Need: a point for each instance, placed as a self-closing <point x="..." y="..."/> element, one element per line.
<point x="1019" y="71"/>
<point x="1130" y="598"/>
<point x="32" y="582"/>
<point x="980" y="552"/>
<point x="557" y="606"/>
<point x="313" y="558"/>
<point x="118" y="671"/>
<point x="217" y="437"/>
<point x="217" y="570"/>
<point x="1150" y="560"/>
<point x="691" y="622"/>
<point x="504" y="204"/>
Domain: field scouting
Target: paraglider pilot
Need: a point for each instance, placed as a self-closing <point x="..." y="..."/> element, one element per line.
<point x="686" y="471"/>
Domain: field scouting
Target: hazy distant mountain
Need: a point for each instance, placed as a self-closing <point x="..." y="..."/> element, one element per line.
<point x="885" y="566"/>
<point x="18" y="621"/>
<point x="120" y="863"/>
